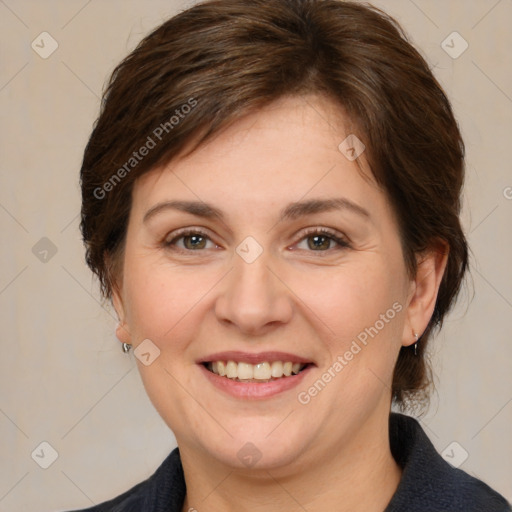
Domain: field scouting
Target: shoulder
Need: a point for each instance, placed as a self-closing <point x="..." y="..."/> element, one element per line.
<point x="164" y="490"/>
<point x="429" y="483"/>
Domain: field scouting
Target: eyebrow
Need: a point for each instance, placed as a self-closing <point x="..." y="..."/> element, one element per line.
<point x="290" y="212"/>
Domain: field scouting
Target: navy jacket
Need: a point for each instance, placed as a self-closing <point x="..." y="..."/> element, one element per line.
<point x="428" y="484"/>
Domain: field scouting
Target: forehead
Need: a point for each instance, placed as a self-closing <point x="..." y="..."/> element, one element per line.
<point x="281" y="154"/>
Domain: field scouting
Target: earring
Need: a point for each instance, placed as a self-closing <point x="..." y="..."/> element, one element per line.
<point x="126" y="347"/>
<point x="416" y="336"/>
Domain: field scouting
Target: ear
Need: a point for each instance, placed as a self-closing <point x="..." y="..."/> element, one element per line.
<point x="122" y="331"/>
<point x="423" y="291"/>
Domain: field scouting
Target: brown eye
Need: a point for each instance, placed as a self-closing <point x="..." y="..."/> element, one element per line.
<point x="192" y="240"/>
<point x="321" y="240"/>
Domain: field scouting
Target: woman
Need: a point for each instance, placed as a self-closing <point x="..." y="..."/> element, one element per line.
<point x="271" y="200"/>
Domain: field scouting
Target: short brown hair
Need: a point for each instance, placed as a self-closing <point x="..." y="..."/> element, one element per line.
<point x="219" y="60"/>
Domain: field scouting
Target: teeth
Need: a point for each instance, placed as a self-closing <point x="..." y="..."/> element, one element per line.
<point x="221" y="368"/>
<point x="231" y="370"/>
<point x="245" y="371"/>
<point x="277" y="369"/>
<point x="263" y="371"/>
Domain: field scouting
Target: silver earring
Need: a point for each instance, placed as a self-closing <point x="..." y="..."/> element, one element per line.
<point x="416" y="336"/>
<point x="126" y="347"/>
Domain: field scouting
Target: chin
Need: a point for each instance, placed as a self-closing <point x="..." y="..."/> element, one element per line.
<point x="258" y="447"/>
<point x="253" y="456"/>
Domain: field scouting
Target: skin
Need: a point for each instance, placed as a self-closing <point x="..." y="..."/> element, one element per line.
<point x="333" y="452"/>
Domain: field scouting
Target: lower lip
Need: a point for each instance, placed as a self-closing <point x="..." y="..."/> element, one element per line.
<point x="254" y="390"/>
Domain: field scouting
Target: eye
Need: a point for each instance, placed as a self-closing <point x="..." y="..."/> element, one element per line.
<point x="321" y="239"/>
<point x="318" y="240"/>
<point x="193" y="240"/>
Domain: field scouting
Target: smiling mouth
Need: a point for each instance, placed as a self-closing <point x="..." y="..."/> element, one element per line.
<point x="260" y="372"/>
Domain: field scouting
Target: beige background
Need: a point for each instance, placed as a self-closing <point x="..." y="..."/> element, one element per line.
<point x="63" y="377"/>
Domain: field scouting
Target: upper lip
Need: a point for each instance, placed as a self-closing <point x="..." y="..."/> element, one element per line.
<point x="254" y="358"/>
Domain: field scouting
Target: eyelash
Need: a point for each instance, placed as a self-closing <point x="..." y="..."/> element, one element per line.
<point x="342" y="243"/>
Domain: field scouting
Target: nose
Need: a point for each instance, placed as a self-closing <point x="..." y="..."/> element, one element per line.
<point x="254" y="297"/>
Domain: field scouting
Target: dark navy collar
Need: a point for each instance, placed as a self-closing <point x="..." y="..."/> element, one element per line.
<point x="428" y="483"/>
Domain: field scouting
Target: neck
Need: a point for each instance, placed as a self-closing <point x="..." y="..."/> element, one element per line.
<point x="356" y="476"/>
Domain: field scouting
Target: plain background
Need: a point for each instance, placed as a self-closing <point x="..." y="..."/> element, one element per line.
<point x="63" y="377"/>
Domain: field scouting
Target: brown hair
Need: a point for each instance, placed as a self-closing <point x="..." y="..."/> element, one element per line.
<point x="209" y="65"/>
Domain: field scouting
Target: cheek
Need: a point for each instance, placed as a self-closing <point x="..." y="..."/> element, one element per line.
<point x="360" y="312"/>
<point x="164" y="300"/>
<point x="351" y="298"/>
<point x="167" y="306"/>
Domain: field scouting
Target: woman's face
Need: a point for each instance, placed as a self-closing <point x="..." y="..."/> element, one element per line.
<point x="258" y="278"/>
